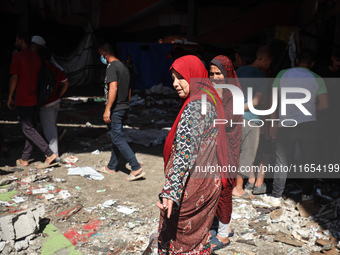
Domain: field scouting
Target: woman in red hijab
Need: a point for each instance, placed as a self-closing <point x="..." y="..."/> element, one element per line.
<point x="191" y="192"/>
<point x="222" y="72"/>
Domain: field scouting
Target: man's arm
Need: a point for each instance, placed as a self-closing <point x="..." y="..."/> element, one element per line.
<point x="256" y="100"/>
<point x="65" y="85"/>
<point x="12" y="85"/>
<point x="110" y="100"/>
<point x="322" y="103"/>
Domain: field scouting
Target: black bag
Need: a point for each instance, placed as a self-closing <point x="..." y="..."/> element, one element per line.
<point x="46" y="83"/>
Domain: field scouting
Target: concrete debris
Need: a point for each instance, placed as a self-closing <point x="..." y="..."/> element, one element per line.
<point x="307" y="208"/>
<point x="7" y="180"/>
<point x="277" y="215"/>
<point x="288" y="239"/>
<point x="18" y="229"/>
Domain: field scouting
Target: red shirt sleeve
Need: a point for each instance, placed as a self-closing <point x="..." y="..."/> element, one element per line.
<point x="15" y="65"/>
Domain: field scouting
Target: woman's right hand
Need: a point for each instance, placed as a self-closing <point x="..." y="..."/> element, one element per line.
<point x="166" y="205"/>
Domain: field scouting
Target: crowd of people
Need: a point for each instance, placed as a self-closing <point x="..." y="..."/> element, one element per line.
<point x="191" y="198"/>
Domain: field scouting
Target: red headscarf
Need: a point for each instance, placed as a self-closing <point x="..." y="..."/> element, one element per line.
<point x="192" y="67"/>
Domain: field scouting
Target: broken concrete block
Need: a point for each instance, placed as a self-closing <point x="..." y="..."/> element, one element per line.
<point x="24" y="225"/>
<point x="29" y="238"/>
<point x="8" y="248"/>
<point x="38" y="213"/>
<point x="21" y="245"/>
<point x="21" y="224"/>
<point x="2" y="245"/>
<point x="7" y="230"/>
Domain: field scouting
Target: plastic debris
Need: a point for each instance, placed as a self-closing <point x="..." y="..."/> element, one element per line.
<point x="87" y="172"/>
<point x="124" y="209"/>
<point x="109" y="203"/>
<point x="71" y="159"/>
<point x="96" y="152"/>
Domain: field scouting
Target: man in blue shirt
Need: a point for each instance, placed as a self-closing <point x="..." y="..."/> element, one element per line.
<point x="250" y="77"/>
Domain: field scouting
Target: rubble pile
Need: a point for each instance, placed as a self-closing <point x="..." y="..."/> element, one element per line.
<point x="74" y="209"/>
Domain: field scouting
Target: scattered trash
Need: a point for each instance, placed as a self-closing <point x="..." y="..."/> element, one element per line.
<point x="40" y="191"/>
<point x="87" y="172"/>
<point x="18" y="199"/>
<point x="4" y="203"/>
<point x="7" y="180"/>
<point x="109" y="203"/>
<point x="71" y="159"/>
<point x="59" y="180"/>
<point x="257" y="203"/>
<point x="64" y="194"/>
<point x="124" y="209"/>
<point x="101" y="190"/>
<point x="49" y="196"/>
<point x="96" y="152"/>
<point x="71" y="212"/>
<point x="236" y="216"/>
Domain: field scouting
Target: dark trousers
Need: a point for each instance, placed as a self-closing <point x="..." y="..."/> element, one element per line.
<point x="305" y="135"/>
<point x="28" y="116"/>
<point x="119" y="144"/>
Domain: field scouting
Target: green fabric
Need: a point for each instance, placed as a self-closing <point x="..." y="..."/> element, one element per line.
<point x="8" y="195"/>
<point x="57" y="243"/>
<point x="319" y="80"/>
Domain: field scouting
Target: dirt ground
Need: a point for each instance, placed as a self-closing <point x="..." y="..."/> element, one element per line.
<point x="80" y="141"/>
<point x="114" y="231"/>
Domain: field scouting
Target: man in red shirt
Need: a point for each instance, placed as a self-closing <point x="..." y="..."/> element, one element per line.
<point x="25" y="69"/>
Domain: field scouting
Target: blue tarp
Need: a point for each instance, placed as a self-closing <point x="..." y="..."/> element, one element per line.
<point x="152" y="62"/>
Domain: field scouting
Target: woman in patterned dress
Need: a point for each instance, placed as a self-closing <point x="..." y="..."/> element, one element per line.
<point x="191" y="192"/>
<point x="222" y="72"/>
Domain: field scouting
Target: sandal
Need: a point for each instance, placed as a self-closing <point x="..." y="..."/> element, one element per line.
<point x="19" y="163"/>
<point x="218" y="243"/>
<point x="132" y="177"/>
<point x="105" y="170"/>
<point x="45" y="165"/>
<point x="128" y="167"/>
<point x="245" y="196"/>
